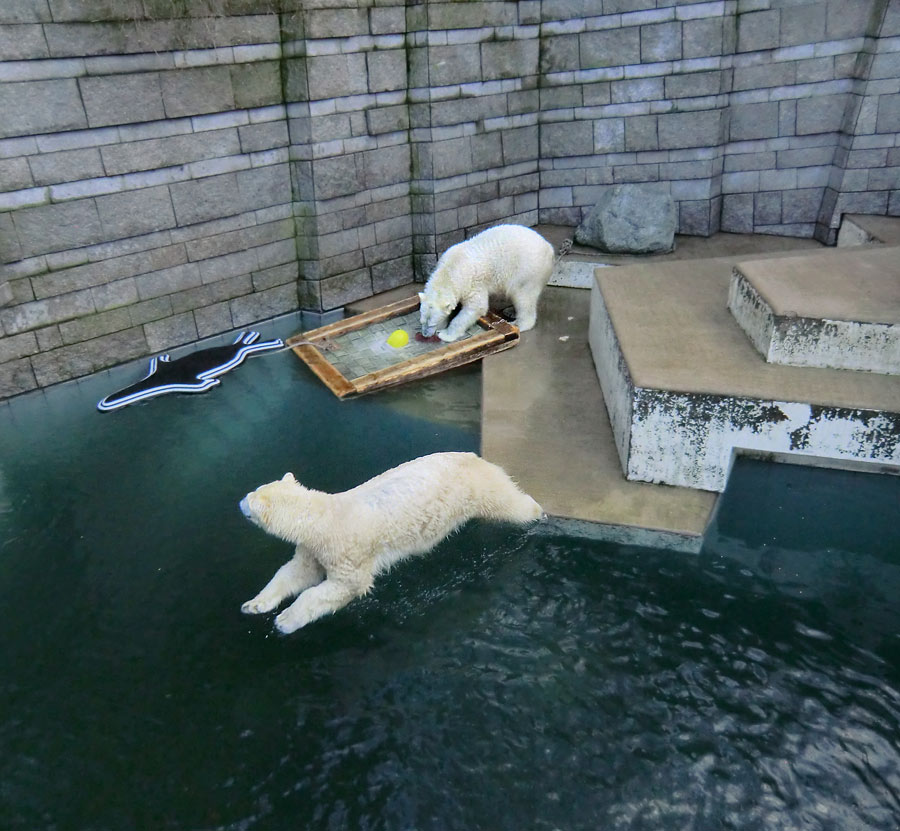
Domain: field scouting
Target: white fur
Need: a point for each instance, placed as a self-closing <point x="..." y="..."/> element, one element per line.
<point x="507" y="260"/>
<point x="344" y="540"/>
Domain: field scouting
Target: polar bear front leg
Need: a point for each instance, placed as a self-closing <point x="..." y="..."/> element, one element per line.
<point x="323" y="599"/>
<point x="297" y="574"/>
<point x="472" y="309"/>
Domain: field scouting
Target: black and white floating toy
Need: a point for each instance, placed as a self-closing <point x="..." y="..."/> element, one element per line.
<point x="196" y="372"/>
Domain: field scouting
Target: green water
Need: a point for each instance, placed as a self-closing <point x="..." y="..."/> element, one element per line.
<point x="508" y="680"/>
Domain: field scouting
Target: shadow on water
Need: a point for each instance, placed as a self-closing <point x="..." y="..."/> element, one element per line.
<point x="508" y="680"/>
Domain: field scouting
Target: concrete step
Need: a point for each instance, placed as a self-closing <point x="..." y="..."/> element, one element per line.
<point x="835" y="309"/>
<point x="685" y="388"/>
<point x="860" y="229"/>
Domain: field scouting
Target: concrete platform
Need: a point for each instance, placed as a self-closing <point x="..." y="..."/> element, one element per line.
<point x="686" y="388"/>
<point x="859" y="229"/>
<point x="838" y="309"/>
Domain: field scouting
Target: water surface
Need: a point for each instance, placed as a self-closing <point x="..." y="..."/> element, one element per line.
<point x="509" y="680"/>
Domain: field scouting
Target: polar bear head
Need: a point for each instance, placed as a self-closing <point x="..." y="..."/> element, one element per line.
<point x="435" y="307"/>
<point x="274" y="507"/>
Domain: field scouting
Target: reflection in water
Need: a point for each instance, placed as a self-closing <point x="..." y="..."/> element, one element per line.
<point x="506" y="681"/>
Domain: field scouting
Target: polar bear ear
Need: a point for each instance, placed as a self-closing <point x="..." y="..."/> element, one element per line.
<point x="288" y="477"/>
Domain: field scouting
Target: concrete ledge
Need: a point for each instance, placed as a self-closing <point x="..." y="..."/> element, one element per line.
<point x="839" y="309"/>
<point x="686" y="389"/>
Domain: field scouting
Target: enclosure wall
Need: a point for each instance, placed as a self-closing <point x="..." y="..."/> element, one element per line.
<point x="172" y="169"/>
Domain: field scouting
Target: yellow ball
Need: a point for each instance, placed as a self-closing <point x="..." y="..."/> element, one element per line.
<point x="398" y="338"/>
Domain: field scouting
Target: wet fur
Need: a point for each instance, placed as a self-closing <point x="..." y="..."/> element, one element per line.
<point x="344" y="540"/>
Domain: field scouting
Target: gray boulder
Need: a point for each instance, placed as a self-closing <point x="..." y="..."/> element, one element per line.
<point x="630" y="219"/>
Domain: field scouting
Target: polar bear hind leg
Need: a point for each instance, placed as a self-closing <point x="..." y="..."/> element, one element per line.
<point x="297" y="574"/>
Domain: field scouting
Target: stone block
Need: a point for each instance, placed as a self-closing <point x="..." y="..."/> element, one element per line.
<point x="170" y="331"/>
<point x="17" y="346"/>
<point x="336" y="23"/>
<point x="58" y="227"/>
<point x="802" y="24"/>
<point x="278" y="275"/>
<point x="638" y="89"/>
<point x="198" y="90"/>
<point x="67" y="166"/>
<point x="888" y="120"/>
<point x="255" y="84"/>
<point x="559" y="53"/>
<point x="25" y="11"/>
<point x="661" y="42"/>
<point x="387" y="119"/>
<point x="767" y="208"/>
<point x="336" y="76"/>
<point x="22" y="42"/>
<point x="387" y="70"/>
<point x="509" y="59"/>
<point x="798" y="206"/>
<point x="815" y="70"/>
<point x="761" y="76"/>
<point x="737" y="213"/>
<point x="204" y="199"/>
<point x="693" y="84"/>
<point x="229" y="265"/>
<point x="115" y="295"/>
<point x="122" y="99"/>
<point x="702" y="38"/>
<point x="754" y="121"/>
<point x="16" y="376"/>
<point x="567" y="138"/>
<point x="262" y="187"/>
<point x="94" y="326"/>
<point x="758" y="30"/>
<point x="264" y="136"/>
<point x="452" y="157"/>
<point x="520" y="144"/>
<point x="263" y="305"/>
<point x="168" y="281"/>
<point x="152" y="154"/>
<point x="822" y="114"/>
<point x="335" y="176"/>
<point x="689" y="129"/>
<point x="640" y="133"/>
<point x="136" y="212"/>
<point x="10" y="250"/>
<point x="609" y="135"/>
<point x="487" y="151"/>
<point x="33" y="107"/>
<point x="15" y="174"/>
<point x="392" y="274"/>
<point x="610" y="47"/>
<point x="693" y="218"/>
<point x="847" y="19"/>
<point x="342" y="289"/>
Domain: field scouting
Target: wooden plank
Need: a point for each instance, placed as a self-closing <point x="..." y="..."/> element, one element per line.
<point x="498" y="335"/>
<point x="327" y="373"/>
<point x="360" y="321"/>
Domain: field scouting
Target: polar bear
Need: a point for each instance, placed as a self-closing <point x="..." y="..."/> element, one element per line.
<point x="343" y="540"/>
<point x="507" y="260"/>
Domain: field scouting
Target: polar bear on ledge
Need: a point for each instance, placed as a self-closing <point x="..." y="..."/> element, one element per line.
<point x="343" y="540"/>
<point x="507" y="260"/>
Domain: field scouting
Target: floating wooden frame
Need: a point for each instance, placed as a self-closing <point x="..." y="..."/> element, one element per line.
<point x="312" y="347"/>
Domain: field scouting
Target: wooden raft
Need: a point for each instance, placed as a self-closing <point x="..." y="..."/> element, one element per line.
<point x="496" y="335"/>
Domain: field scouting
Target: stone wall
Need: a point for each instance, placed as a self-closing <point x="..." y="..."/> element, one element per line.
<point x="171" y="169"/>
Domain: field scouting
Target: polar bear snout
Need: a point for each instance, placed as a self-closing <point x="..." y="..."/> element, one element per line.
<point x="245" y="508"/>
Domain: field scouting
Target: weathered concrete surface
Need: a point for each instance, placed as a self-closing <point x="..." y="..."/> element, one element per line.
<point x="699" y="390"/>
<point x="839" y="309"/>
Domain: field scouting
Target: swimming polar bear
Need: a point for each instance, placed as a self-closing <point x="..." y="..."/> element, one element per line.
<point x="343" y="540"/>
<point x="508" y="260"/>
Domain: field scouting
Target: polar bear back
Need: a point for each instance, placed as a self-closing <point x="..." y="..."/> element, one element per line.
<point x="412" y="507"/>
<point x="498" y="260"/>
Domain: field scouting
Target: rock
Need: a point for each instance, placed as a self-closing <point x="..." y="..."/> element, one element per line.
<point x="630" y="219"/>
